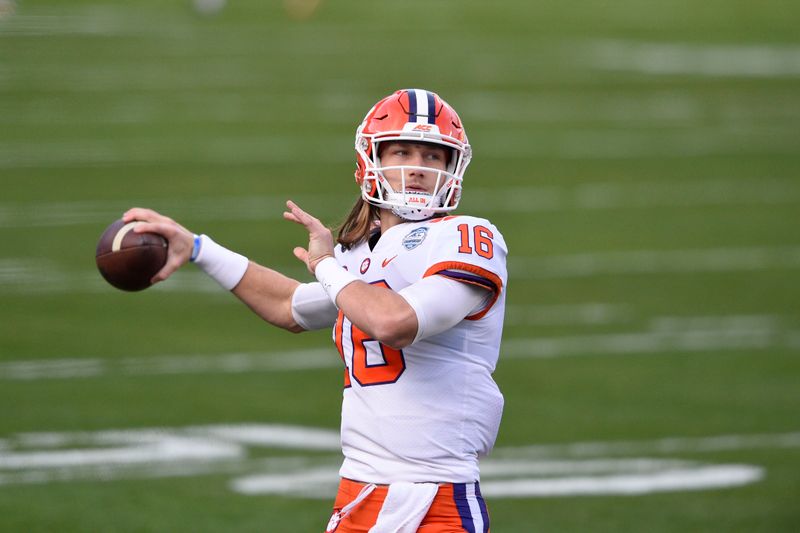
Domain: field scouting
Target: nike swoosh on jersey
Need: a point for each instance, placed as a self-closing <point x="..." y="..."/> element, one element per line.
<point x="387" y="261"/>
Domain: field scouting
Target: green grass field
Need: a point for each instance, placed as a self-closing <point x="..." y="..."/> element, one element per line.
<point x="641" y="158"/>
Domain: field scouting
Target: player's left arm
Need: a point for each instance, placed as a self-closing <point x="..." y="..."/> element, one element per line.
<point x="398" y="319"/>
<point x="381" y="313"/>
<point x="429" y="306"/>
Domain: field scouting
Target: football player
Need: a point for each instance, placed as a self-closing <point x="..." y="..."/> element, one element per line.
<point x="415" y="297"/>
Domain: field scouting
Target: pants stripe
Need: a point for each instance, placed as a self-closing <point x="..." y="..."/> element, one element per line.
<point x="460" y="499"/>
<point x="471" y="507"/>
<point x="484" y="510"/>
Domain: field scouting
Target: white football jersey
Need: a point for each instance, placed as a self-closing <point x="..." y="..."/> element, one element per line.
<point x="428" y="411"/>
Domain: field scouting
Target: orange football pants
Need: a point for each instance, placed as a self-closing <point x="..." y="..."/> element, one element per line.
<point x="456" y="508"/>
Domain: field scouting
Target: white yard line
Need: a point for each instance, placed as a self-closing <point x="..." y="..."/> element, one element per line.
<point x="122" y="20"/>
<point x="677" y="106"/>
<point x="758" y="60"/>
<point x="96" y="151"/>
<point x="678" y="480"/>
<point x="665" y="335"/>
<point x="592" y="313"/>
<point x="230" y="363"/>
<point x="651" y="342"/>
<point x="568" y="469"/>
<point x="639" y="194"/>
<point x="667" y="445"/>
<point x="100" y="213"/>
<point x="723" y="259"/>
<point x="598" y="142"/>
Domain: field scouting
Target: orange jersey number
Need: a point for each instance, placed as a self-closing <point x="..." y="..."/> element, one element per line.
<point x="482" y="238"/>
<point x="389" y="371"/>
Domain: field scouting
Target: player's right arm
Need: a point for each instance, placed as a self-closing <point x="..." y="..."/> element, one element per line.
<point x="270" y="294"/>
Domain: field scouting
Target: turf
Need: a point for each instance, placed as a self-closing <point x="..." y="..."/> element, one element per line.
<point x="641" y="160"/>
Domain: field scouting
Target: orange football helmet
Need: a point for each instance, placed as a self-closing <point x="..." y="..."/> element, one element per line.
<point x="413" y="115"/>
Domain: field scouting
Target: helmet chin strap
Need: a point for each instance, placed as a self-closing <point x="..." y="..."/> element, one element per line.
<point x="407" y="212"/>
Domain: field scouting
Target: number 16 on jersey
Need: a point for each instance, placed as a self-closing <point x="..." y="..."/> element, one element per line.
<point x="387" y="371"/>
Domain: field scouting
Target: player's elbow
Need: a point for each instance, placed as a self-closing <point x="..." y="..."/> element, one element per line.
<point x="398" y="341"/>
<point x="294" y="328"/>
<point x="398" y="330"/>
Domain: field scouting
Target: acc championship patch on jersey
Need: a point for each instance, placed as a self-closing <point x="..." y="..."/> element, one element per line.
<point x="415" y="238"/>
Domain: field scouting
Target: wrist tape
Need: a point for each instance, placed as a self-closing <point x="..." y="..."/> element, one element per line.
<point x="224" y="266"/>
<point x="333" y="277"/>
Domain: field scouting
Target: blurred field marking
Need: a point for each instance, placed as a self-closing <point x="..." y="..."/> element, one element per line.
<point x="231" y="363"/>
<point x="244" y="149"/>
<point x="691" y="478"/>
<point x="45" y="21"/>
<point x="96" y="19"/>
<point x="141" y="449"/>
<point x="652" y="109"/>
<point x="669" y="445"/>
<point x="764" y="59"/>
<point x="676" y="107"/>
<point x="592" y="313"/>
<point x="655" y="262"/>
<point x="640" y="194"/>
<point x="758" y="60"/>
<point x="718" y="333"/>
<point x="133" y="20"/>
<point x="35" y="276"/>
<point x="562" y="481"/>
<point x="666" y="335"/>
<point x="605" y="142"/>
<point x="576" y="143"/>
<point x="521" y="471"/>
<point x="699" y="192"/>
<point x="251" y="207"/>
<point x="155" y="452"/>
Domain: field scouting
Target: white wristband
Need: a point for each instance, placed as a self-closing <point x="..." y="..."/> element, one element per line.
<point x="225" y="266"/>
<point x="333" y="277"/>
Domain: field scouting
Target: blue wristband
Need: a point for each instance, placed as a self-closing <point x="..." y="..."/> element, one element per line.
<point x="196" y="249"/>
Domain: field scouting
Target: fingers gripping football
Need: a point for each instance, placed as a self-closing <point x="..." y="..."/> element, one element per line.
<point x="320" y="239"/>
<point x="179" y="238"/>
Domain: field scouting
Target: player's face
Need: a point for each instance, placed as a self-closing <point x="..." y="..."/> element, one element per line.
<point x="420" y="156"/>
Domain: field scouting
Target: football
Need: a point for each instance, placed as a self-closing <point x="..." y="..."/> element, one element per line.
<point x="129" y="260"/>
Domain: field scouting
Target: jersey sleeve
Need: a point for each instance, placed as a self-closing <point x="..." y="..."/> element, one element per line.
<point x="441" y="303"/>
<point x="312" y="307"/>
<point x="469" y="250"/>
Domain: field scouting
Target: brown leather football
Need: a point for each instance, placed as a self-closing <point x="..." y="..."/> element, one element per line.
<point x="129" y="260"/>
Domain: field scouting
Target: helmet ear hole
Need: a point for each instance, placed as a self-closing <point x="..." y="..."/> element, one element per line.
<point x="369" y="187"/>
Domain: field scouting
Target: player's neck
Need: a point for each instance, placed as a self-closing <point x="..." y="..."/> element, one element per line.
<point x="389" y="220"/>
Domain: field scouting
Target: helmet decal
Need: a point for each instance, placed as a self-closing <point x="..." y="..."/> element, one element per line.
<point x="421" y="106"/>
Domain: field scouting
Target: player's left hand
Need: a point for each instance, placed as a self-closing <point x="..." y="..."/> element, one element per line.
<point x="320" y="238"/>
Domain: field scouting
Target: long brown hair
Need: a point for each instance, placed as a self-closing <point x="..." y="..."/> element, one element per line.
<point x="358" y="225"/>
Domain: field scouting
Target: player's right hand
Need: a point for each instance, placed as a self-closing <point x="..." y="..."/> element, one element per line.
<point x="181" y="240"/>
